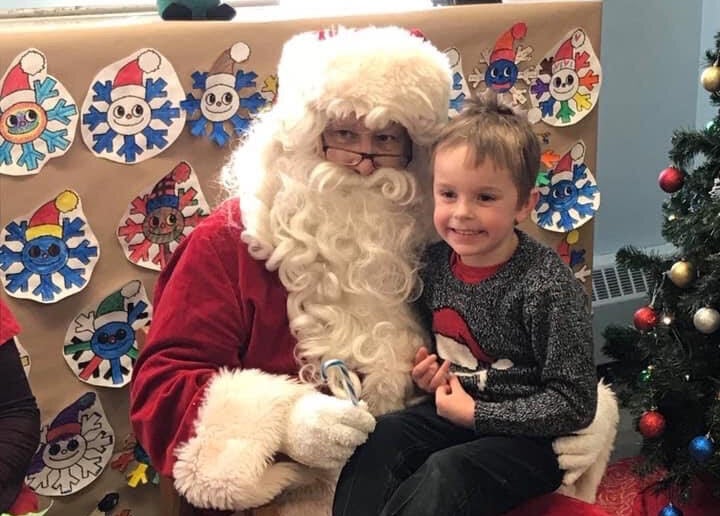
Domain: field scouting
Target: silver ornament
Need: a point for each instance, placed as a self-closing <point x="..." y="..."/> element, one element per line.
<point x="715" y="190"/>
<point x="707" y="320"/>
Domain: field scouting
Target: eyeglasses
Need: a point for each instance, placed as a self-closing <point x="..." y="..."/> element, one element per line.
<point x="352" y="158"/>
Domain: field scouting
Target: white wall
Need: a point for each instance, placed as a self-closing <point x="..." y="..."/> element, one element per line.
<point x="710" y="26"/>
<point x="650" y="52"/>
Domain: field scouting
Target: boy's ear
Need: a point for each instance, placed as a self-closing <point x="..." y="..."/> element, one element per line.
<point x="528" y="206"/>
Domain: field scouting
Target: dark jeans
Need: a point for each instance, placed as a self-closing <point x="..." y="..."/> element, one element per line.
<point x="416" y="463"/>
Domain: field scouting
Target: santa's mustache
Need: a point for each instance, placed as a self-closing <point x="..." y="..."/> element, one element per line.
<point x="396" y="185"/>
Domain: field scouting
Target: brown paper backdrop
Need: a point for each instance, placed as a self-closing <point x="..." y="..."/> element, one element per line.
<point x="77" y="51"/>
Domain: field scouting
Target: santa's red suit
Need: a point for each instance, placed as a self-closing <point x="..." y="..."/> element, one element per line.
<point x="319" y="264"/>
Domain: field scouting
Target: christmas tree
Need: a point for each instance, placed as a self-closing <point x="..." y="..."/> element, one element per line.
<point x="667" y="364"/>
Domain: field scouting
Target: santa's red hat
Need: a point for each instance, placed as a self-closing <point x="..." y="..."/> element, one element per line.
<point x="576" y="153"/>
<point x="129" y="79"/>
<point x="565" y="55"/>
<point x="504" y="44"/>
<point x="223" y="69"/>
<point x="16" y="86"/>
<point x="46" y="219"/>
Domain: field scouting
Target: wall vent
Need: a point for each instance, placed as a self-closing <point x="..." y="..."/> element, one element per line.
<point x="615" y="283"/>
<point x="612" y="283"/>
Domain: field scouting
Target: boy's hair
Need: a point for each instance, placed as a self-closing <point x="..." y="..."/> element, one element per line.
<point x="493" y="130"/>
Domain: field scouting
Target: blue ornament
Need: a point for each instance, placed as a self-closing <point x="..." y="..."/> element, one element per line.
<point x="670" y="510"/>
<point x="701" y="448"/>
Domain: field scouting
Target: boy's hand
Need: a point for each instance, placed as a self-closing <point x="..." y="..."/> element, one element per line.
<point x="426" y="373"/>
<point x="454" y="404"/>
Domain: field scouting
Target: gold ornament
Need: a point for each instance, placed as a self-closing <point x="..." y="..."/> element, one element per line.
<point x="682" y="273"/>
<point x="707" y="320"/>
<point x="710" y="77"/>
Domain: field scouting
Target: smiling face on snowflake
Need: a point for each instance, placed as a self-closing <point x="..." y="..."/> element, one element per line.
<point x="164" y="225"/>
<point x="129" y="115"/>
<point x="564" y="194"/>
<point x="219" y="103"/>
<point x="63" y="453"/>
<point x="564" y="84"/>
<point x="45" y="254"/>
<point x="501" y="75"/>
<point x="23" y="122"/>
<point x="112" y="340"/>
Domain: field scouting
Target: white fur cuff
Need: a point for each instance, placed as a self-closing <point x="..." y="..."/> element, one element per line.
<point x="228" y="464"/>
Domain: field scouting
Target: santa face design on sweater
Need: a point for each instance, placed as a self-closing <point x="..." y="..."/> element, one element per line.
<point x="456" y="343"/>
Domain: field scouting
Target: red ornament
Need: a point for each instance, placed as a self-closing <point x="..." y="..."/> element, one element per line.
<point x="645" y="318"/>
<point x="671" y="179"/>
<point x="651" y="424"/>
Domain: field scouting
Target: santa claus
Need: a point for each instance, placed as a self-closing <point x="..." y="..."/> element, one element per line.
<point x="313" y="258"/>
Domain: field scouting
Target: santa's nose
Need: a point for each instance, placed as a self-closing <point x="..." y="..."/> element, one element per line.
<point x="365" y="168"/>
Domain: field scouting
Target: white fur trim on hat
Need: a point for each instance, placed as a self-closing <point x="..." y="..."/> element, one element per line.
<point x="578" y="38"/>
<point x="149" y="61"/>
<point x="240" y="52"/>
<point x="578" y="151"/>
<point x="129" y="90"/>
<point x="229" y="463"/>
<point x="385" y="71"/>
<point x="131" y="289"/>
<point x="225" y="79"/>
<point x="32" y="62"/>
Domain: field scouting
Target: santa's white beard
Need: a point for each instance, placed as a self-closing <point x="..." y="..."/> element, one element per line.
<point x="346" y="248"/>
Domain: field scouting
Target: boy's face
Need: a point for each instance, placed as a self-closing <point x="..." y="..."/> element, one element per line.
<point x="476" y="208"/>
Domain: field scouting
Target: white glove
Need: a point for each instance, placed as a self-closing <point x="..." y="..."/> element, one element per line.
<point x="592" y="444"/>
<point x="324" y="431"/>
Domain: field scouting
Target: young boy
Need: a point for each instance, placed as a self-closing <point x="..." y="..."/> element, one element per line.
<point x="510" y="324"/>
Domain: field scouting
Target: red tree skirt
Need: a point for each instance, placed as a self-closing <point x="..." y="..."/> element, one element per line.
<point x="623" y="493"/>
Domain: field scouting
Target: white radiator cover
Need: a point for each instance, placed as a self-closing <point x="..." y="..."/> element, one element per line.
<point x="616" y="294"/>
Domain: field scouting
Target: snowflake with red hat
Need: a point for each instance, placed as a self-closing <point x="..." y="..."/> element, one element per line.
<point x="133" y="111"/>
<point x="503" y="74"/>
<point x="570" y="196"/>
<point x="160" y="218"/>
<point x="100" y="344"/>
<point x="221" y="104"/>
<point x="568" y="83"/>
<point x="38" y="116"/>
<point x="48" y="256"/>
<point x="74" y="449"/>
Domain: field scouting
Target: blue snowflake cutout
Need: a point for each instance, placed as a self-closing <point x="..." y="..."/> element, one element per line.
<point x="137" y="114"/>
<point x="38" y="116"/>
<point x="571" y="198"/>
<point x="48" y="257"/>
<point x="228" y="101"/>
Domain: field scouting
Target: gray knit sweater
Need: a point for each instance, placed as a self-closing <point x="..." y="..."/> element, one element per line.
<point x="528" y="327"/>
